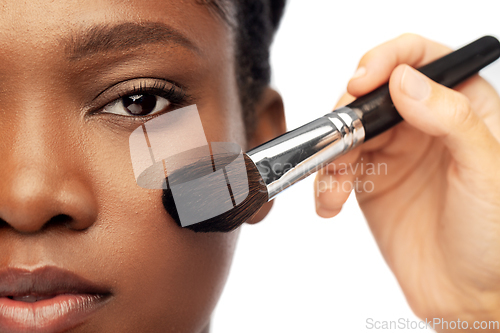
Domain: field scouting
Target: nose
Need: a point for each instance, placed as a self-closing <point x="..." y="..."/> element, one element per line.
<point x="33" y="200"/>
<point x="42" y="184"/>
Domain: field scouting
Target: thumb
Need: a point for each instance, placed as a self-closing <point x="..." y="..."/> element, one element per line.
<point x="442" y="112"/>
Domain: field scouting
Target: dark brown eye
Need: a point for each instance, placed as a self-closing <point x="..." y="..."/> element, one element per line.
<point x="137" y="105"/>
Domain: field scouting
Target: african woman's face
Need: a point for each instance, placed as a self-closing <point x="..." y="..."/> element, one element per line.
<point x="68" y="196"/>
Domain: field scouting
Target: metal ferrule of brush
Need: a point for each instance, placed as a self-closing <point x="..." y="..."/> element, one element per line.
<point x="296" y="154"/>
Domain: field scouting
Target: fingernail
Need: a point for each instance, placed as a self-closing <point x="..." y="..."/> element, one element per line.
<point x="361" y="71"/>
<point x="413" y="85"/>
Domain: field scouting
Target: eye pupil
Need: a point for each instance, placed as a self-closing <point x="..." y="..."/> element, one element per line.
<point x="139" y="105"/>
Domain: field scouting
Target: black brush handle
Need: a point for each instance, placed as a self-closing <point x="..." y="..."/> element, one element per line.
<point x="377" y="109"/>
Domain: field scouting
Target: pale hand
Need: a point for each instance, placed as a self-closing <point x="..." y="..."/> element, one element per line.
<point x="436" y="213"/>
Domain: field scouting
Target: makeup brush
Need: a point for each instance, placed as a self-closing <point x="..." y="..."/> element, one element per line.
<point x="278" y="164"/>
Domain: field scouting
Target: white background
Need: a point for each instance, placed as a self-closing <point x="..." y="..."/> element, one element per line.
<point x="295" y="272"/>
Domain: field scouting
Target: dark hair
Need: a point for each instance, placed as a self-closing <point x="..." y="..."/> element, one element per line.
<point x="257" y="22"/>
<point x="254" y="22"/>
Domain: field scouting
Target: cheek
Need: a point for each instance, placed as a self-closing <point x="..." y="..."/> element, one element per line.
<point x="167" y="277"/>
<point x="162" y="275"/>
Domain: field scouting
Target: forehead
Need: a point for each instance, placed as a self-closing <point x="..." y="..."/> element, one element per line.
<point x="45" y="26"/>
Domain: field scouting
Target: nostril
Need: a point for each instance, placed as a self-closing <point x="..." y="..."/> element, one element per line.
<point x="58" y="221"/>
<point x="68" y="204"/>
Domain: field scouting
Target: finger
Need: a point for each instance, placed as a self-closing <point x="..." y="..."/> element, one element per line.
<point x="445" y="113"/>
<point x="485" y="101"/>
<point x="375" y="67"/>
<point x="344" y="100"/>
<point x="334" y="183"/>
<point x="332" y="191"/>
<point x="381" y="142"/>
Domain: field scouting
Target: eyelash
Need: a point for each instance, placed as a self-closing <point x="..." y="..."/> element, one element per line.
<point x="174" y="94"/>
<point x="170" y="91"/>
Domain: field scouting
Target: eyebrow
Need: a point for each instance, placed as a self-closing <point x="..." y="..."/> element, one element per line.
<point x="105" y="38"/>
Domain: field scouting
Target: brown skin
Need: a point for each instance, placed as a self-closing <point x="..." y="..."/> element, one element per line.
<point x="60" y="155"/>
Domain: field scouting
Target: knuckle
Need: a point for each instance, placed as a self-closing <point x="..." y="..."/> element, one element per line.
<point x="386" y="48"/>
<point x="410" y="37"/>
<point x="367" y="56"/>
<point x="461" y="110"/>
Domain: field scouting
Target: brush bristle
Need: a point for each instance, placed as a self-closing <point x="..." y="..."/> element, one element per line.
<point x="255" y="195"/>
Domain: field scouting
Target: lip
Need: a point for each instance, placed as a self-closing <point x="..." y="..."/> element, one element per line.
<point x="67" y="299"/>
